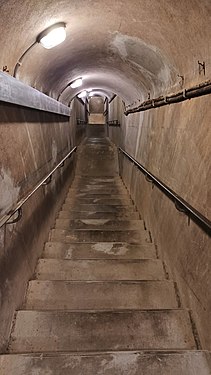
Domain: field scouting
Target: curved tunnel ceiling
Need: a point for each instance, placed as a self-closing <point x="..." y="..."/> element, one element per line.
<point x="129" y="48"/>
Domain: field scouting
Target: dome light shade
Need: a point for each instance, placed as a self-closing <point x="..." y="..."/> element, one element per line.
<point x="53" y="35"/>
<point x="82" y="94"/>
<point x="76" y="83"/>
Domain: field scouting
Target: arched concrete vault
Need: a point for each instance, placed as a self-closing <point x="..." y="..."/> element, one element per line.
<point x="138" y="50"/>
<point x="129" y="48"/>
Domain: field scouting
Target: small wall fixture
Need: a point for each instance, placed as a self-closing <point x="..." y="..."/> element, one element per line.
<point x="52" y="36"/>
<point x="49" y="38"/>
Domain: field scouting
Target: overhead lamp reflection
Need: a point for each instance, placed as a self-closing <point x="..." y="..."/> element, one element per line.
<point x="82" y="94"/>
<point x="77" y="83"/>
<point x="52" y="36"/>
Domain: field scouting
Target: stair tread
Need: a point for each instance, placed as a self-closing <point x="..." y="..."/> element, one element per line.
<point x="67" y="295"/>
<point x="59" y="269"/>
<point x="100" y="190"/>
<point x="153" y="363"/>
<point x="82" y="331"/>
<point x="98" y="207"/>
<point x="99" y="224"/>
<point x="90" y="194"/>
<point x="67" y="214"/>
<point x="101" y="201"/>
<point x="98" y="250"/>
<point x="99" y="235"/>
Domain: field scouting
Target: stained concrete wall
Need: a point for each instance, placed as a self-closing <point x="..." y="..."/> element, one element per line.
<point x="32" y="142"/>
<point x="173" y="143"/>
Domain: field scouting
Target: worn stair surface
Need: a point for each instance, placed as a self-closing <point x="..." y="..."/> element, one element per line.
<point x="100" y="301"/>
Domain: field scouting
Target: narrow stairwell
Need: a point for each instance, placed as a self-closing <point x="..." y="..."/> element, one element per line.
<point x="100" y="301"/>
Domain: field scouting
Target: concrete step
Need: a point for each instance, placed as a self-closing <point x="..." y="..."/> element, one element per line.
<point x="90" y="195"/>
<point x="99" y="224"/>
<point x="116" y="363"/>
<point x="98" y="208"/>
<point x="90" y="187"/>
<point x="66" y="214"/>
<point x="66" y="295"/>
<point x="102" y="201"/>
<point x="113" y="250"/>
<point x="41" y="331"/>
<point x="99" y="270"/>
<point x="97" y="178"/>
<point x="99" y="184"/>
<point x="82" y="235"/>
<point x="102" y="190"/>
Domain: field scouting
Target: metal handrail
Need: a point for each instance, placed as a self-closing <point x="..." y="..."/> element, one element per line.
<point x="179" y="202"/>
<point x="5" y="218"/>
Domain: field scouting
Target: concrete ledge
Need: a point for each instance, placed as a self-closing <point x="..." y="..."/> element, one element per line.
<point x="16" y="92"/>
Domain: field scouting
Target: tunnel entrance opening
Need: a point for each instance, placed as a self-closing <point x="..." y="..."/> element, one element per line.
<point x="96" y="110"/>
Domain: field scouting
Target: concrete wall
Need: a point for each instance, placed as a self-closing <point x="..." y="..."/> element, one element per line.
<point x="173" y="143"/>
<point x="32" y="142"/>
<point x="96" y="105"/>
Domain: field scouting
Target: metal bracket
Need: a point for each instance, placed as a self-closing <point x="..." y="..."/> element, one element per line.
<point x="5" y="69"/>
<point x="179" y="208"/>
<point x="201" y="67"/>
<point x="148" y="179"/>
<point x="19" y="216"/>
<point x="48" y="181"/>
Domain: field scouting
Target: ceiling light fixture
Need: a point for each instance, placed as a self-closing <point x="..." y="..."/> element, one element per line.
<point x="77" y="83"/>
<point x="82" y="94"/>
<point x="52" y="36"/>
<point x="49" y="38"/>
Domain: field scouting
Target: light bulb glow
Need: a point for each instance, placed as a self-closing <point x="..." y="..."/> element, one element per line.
<point x="52" y="36"/>
<point x="76" y="83"/>
<point x="82" y="94"/>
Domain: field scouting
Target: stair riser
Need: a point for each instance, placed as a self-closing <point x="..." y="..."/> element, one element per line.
<point x="102" y="224"/>
<point x="103" y="190"/>
<point x="66" y="214"/>
<point x="72" y="236"/>
<point x="99" y="270"/>
<point x="101" y="201"/>
<point x="75" y="195"/>
<point x="98" y="208"/>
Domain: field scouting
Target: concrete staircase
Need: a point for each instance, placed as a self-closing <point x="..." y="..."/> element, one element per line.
<point x="100" y="301"/>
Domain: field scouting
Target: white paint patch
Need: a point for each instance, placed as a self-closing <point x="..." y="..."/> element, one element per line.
<point x="103" y="246"/>
<point x="109" y="248"/>
<point x="94" y="222"/>
<point x="9" y="192"/>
